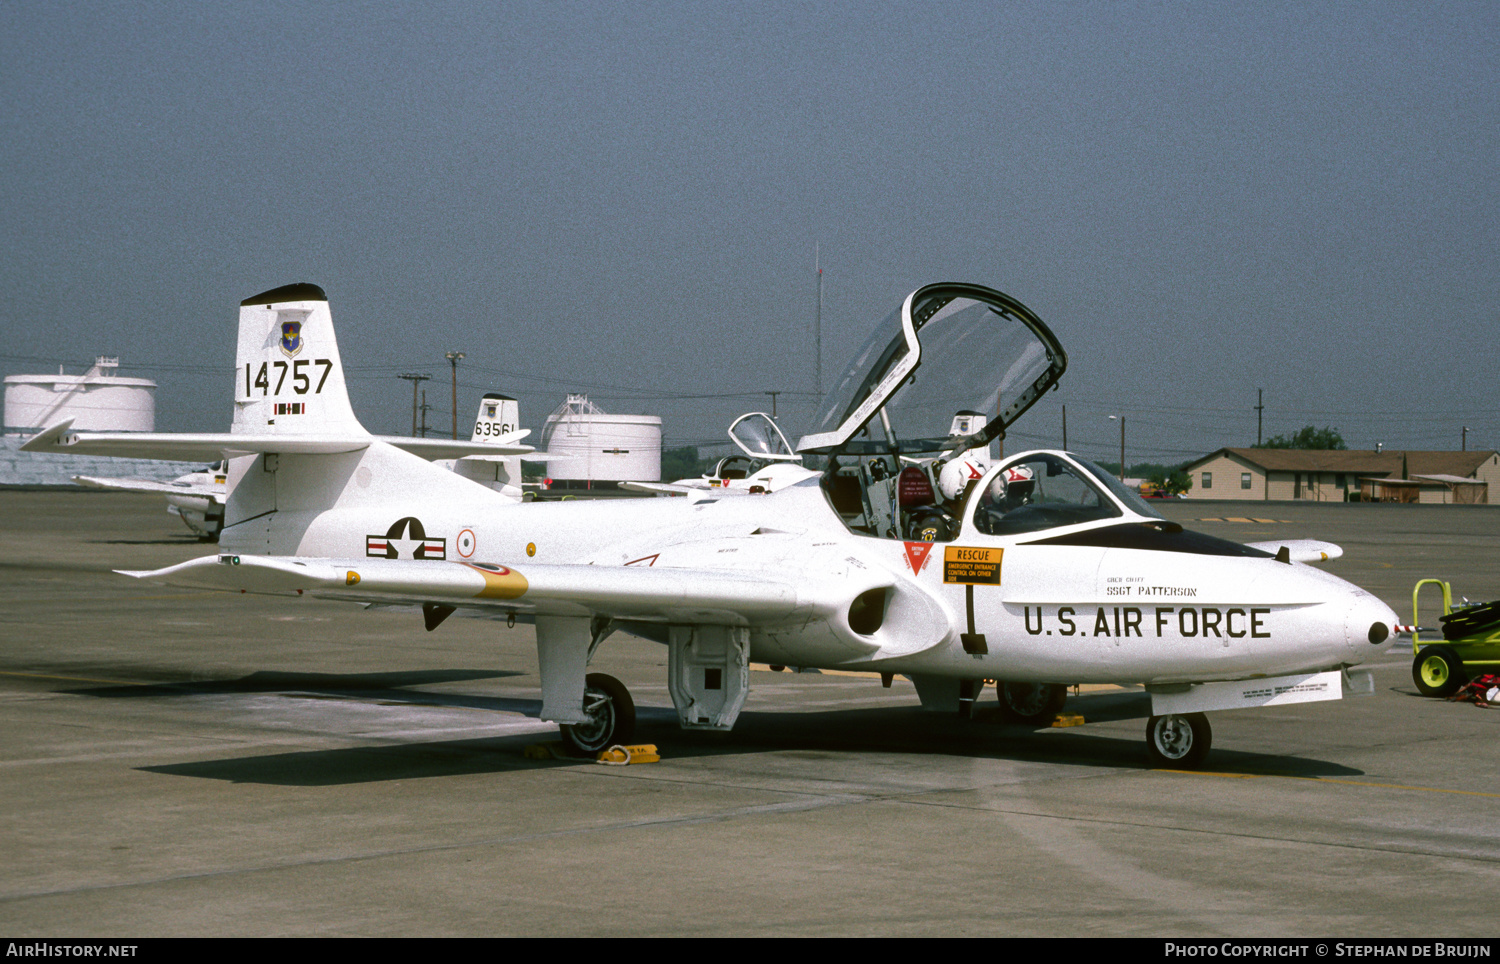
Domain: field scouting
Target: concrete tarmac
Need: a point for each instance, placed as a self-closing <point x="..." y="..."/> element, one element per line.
<point x="179" y="763"/>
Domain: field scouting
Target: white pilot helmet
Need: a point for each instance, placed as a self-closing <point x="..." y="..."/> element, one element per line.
<point x="957" y="474"/>
<point x="1020" y="480"/>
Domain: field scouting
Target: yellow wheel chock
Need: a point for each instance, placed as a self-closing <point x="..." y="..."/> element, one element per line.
<point x="616" y="755"/>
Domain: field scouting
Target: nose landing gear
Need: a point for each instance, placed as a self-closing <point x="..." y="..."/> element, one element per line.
<point x="1178" y="742"/>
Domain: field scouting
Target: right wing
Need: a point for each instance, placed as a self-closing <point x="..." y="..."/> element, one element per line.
<point x="709" y="596"/>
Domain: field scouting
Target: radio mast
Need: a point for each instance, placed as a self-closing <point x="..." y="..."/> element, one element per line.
<point x="818" y="332"/>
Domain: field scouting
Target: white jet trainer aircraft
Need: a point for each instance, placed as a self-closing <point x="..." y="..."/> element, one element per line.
<point x="1041" y="572"/>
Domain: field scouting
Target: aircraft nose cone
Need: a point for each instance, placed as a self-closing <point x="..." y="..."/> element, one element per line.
<point x="1368" y="625"/>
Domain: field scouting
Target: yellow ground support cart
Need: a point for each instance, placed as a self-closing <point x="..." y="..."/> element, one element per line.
<point x="1471" y="643"/>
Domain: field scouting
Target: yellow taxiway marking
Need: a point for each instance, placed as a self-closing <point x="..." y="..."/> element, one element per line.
<point x="1239" y="518"/>
<point x="1350" y="783"/>
<point x="77" y="679"/>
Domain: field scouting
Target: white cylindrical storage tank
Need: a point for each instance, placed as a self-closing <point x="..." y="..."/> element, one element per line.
<point x="599" y="447"/>
<point x="96" y="401"/>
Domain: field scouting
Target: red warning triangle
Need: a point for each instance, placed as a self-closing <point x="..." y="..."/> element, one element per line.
<point x="916" y="554"/>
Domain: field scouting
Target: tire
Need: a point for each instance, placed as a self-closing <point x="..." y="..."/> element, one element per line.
<point x="611" y="715"/>
<point x="1438" y="671"/>
<point x="1035" y="704"/>
<point x="1178" y="742"/>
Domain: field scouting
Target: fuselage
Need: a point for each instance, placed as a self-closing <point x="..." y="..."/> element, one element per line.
<point x="1041" y="606"/>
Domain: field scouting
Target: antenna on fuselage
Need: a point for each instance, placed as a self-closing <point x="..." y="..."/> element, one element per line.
<point x="818" y="332"/>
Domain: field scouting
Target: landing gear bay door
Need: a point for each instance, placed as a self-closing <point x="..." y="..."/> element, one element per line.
<point x="948" y="348"/>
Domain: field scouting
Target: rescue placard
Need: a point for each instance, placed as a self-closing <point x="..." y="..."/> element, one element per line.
<point x="971" y="567"/>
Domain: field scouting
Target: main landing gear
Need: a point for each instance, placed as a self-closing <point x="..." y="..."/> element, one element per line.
<point x="611" y="716"/>
<point x="1179" y="742"/>
<point x="1035" y="704"/>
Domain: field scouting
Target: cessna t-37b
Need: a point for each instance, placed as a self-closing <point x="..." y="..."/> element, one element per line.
<point x="911" y="550"/>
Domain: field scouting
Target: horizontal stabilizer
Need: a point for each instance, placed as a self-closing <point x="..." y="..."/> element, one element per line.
<point x="213" y="446"/>
<point x="186" y="446"/>
<point x="1301" y="550"/>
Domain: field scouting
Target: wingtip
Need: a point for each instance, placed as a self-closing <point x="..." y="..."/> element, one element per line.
<point x="49" y="439"/>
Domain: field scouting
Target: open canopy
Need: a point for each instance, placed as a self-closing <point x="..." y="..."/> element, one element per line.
<point x="949" y="348"/>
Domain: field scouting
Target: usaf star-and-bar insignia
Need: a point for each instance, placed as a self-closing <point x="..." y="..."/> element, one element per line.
<point x="406" y="539"/>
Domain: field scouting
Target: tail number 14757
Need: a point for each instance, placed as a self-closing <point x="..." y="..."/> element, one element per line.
<point x="301" y="380"/>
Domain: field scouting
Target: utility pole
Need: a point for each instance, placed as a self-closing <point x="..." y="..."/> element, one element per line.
<point x="1464" y="445"/>
<point x="415" y="380"/>
<point x="1260" y="411"/>
<point x="773" y="403"/>
<point x="425" y="407"/>
<point x="1065" y="428"/>
<point x="453" y="358"/>
<point x="1122" y="446"/>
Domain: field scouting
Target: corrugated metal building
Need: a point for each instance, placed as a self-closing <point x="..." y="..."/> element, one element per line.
<point x="1329" y="476"/>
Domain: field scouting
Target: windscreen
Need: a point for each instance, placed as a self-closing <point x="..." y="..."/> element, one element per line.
<point x="1124" y="493"/>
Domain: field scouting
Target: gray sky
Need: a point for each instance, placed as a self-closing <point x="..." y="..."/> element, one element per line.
<point x="1200" y="199"/>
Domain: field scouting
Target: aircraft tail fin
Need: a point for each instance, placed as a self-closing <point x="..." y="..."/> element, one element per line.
<point x="289" y="379"/>
<point x="499" y="418"/>
<point x="499" y="415"/>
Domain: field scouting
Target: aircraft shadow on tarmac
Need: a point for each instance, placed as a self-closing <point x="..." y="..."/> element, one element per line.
<point x="372" y="687"/>
<point x="878" y="732"/>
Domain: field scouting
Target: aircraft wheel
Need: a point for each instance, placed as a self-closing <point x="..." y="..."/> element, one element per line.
<point x="611" y="716"/>
<point x="1036" y="704"/>
<point x="1438" y="671"/>
<point x="1179" y="742"/>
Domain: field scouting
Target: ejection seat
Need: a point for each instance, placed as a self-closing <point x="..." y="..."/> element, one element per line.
<point x="926" y="520"/>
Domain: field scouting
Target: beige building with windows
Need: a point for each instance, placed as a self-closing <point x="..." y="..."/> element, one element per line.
<point x="1331" y="476"/>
